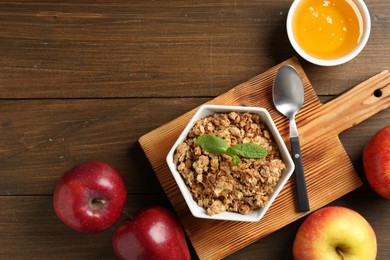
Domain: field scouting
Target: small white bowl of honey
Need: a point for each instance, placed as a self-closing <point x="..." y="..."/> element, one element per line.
<point x="328" y="32"/>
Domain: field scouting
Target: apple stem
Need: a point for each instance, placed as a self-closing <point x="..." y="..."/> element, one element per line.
<point x="126" y="212"/>
<point x="97" y="203"/>
<point x="340" y="253"/>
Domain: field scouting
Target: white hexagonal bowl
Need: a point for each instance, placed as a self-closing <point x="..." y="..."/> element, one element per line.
<point x="265" y="117"/>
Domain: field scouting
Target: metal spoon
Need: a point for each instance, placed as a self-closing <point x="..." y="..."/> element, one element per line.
<point x="288" y="96"/>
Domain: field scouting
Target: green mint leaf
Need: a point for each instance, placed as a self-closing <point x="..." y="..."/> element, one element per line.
<point x="231" y="152"/>
<point x="236" y="160"/>
<point x="216" y="145"/>
<point x="250" y="150"/>
<point x="212" y="143"/>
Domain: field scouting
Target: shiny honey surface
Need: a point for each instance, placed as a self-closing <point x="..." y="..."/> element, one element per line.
<point x="327" y="29"/>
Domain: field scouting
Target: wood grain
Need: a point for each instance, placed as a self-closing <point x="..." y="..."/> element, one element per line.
<point x="359" y="103"/>
<point x="135" y="48"/>
<point x="30" y="227"/>
<point x="318" y="153"/>
<point x="83" y="80"/>
<point x="41" y="139"/>
<point x="29" y="222"/>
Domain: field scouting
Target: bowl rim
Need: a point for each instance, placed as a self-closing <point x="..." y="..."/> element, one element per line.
<point x="331" y="62"/>
<point x="255" y="215"/>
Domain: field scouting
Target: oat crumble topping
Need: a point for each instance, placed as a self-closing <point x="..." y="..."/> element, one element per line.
<point x="215" y="183"/>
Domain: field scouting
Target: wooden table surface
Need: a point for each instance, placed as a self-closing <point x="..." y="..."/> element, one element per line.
<point x="85" y="80"/>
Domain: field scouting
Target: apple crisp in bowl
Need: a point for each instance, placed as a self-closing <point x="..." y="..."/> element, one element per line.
<point x="230" y="163"/>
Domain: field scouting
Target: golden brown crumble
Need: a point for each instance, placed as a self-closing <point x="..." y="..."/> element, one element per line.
<point x="215" y="183"/>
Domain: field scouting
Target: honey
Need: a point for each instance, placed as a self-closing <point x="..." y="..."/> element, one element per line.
<point x="327" y="29"/>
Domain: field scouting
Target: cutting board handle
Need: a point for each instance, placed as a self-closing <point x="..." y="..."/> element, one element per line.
<point x="349" y="109"/>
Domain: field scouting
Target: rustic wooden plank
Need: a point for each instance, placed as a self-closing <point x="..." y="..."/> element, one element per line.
<point x="31" y="230"/>
<point x="157" y="60"/>
<point x="41" y="139"/>
<point x="137" y="48"/>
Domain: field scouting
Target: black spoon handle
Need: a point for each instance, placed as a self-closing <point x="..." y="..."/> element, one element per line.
<point x="300" y="183"/>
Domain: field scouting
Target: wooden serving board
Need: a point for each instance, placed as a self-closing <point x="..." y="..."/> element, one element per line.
<point x="328" y="169"/>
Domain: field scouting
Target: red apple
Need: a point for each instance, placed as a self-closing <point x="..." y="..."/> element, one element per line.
<point x="335" y="233"/>
<point x="154" y="233"/>
<point x="376" y="162"/>
<point x="90" y="197"/>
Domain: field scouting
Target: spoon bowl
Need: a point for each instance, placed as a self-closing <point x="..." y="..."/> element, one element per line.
<point x="288" y="100"/>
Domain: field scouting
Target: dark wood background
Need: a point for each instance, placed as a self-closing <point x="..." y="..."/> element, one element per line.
<point x="84" y="80"/>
